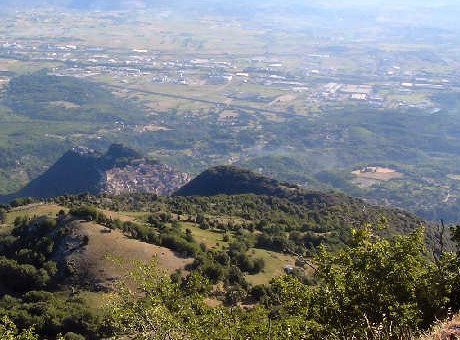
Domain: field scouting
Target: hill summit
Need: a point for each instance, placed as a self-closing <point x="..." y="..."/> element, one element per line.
<point x="231" y="180"/>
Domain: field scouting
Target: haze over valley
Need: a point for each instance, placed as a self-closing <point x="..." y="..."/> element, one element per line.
<point x="305" y="93"/>
<point x="291" y="167"/>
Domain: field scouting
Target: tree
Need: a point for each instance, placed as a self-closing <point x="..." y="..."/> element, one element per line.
<point x="376" y="285"/>
<point x="374" y="288"/>
<point x="9" y="331"/>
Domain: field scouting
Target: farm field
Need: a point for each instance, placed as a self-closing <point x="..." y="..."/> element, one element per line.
<point x="373" y="175"/>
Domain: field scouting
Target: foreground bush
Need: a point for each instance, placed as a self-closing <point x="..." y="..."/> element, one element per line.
<point x="374" y="288"/>
<point x="9" y="331"/>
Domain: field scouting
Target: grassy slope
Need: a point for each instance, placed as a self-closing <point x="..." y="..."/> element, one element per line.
<point x="101" y="255"/>
<point x="274" y="262"/>
<point x="116" y="244"/>
<point x="104" y="245"/>
<point x="34" y="210"/>
<point x="274" y="265"/>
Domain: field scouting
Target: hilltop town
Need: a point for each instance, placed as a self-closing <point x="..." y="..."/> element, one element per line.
<point x="144" y="177"/>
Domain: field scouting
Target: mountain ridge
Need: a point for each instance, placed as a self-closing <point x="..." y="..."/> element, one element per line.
<point x="232" y="180"/>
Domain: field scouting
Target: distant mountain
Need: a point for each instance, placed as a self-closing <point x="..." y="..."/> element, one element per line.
<point x="106" y="4"/>
<point x="82" y="4"/>
<point x="119" y="170"/>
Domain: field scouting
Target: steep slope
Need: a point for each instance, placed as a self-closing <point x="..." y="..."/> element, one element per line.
<point x="89" y="253"/>
<point x="86" y="254"/>
<point x="119" y="170"/>
<point x="75" y="172"/>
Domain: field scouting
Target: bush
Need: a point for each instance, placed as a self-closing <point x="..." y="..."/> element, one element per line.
<point x="177" y="243"/>
<point x="22" y="277"/>
<point x="213" y="272"/>
<point x="380" y="284"/>
<point x="9" y="331"/>
<point x="89" y="213"/>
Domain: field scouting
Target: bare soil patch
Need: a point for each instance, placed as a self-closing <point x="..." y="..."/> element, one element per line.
<point x="369" y="176"/>
<point x="96" y="262"/>
<point x="65" y="104"/>
<point x="152" y="128"/>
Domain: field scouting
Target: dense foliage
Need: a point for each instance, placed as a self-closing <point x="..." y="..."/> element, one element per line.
<point x="29" y="281"/>
<point x="375" y="289"/>
<point x="372" y="287"/>
<point x="25" y="261"/>
<point x="225" y="180"/>
<point x="227" y="265"/>
<point x="300" y="221"/>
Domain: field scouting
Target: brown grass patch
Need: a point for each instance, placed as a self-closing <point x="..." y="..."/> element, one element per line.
<point x="96" y="259"/>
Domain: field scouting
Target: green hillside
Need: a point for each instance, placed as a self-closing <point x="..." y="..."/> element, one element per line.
<point x="62" y="261"/>
<point x="42" y="96"/>
<point x="321" y="209"/>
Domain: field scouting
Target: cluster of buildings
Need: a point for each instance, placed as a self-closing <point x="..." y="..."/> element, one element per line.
<point x="348" y="91"/>
<point x="145" y="177"/>
<point x="315" y="83"/>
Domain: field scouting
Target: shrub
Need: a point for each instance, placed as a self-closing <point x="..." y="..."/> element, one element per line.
<point x="88" y="213"/>
<point x="22" y="277"/>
